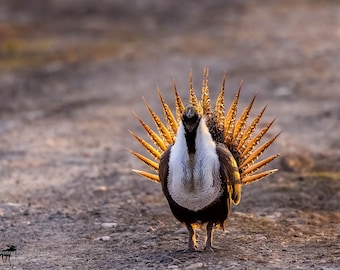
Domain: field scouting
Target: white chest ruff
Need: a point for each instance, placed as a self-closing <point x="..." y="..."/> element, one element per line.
<point x="194" y="184"/>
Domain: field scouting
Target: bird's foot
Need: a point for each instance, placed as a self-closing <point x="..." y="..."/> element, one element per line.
<point x="188" y="250"/>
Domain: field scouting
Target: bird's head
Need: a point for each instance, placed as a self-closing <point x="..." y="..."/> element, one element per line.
<point x="190" y="118"/>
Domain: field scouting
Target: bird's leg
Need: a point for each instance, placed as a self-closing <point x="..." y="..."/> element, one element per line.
<point x="192" y="238"/>
<point x="208" y="242"/>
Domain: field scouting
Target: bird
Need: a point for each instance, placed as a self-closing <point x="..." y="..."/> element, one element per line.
<point x="203" y="155"/>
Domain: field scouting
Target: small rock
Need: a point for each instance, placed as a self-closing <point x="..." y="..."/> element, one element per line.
<point x="166" y="259"/>
<point x="198" y="265"/>
<point x="100" y="190"/>
<point x="103" y="238"/>
<point x="274" y="216"/>
<point x="174" y="267"/>
<point x="109" y="225"/>
<point x="182" y="231"/>
<point x="14" y="205"/>
<point x="261" y="237"/>
<point x="10" y="207"/>
<point x="230" y="265"/>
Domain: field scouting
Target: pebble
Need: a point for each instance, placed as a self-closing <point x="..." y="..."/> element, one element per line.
<point x="198" y="265"/>
<point x="274" y="216"/>
<point x="103" y="238"/>
<point x="174" y="267"/>
<point x="182" y="231"/>
<point x="14" y="205"/>
<point x="229" y="265"/>
<point x="261" y="237"/>
<point x="109" y="225"/>
<point x="166" y="259"/>
<point x="26" y="212"/>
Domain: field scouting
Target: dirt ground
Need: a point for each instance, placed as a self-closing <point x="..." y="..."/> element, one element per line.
<point x="72" y="73"/>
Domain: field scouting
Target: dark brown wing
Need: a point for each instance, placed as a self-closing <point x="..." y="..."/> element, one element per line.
<point x="229" y="173"/>
<point x="163" y="171"/>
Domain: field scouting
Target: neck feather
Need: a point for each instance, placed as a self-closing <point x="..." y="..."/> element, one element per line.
<point x="193" y="177"/>
<point x="190" y="137"/>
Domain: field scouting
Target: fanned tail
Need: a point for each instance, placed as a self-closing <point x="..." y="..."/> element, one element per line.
<point x="152" y="150"/>
<point x="250" y="131"/>
<point x="179" y="104"/>
<point x="256" y="177"/>
<point x="219" y="107"/>
<point x="230" y="119"/>
<point x="238" y="136"/>
<point x="152" y="135"/>
<point x="162" y="129"/>
<point x="193" y="98"/>
<point x="149" y="176"/>
<point x="169" y="117"/>
<point x="241" y="123"/>
<point x="152" y="164"/>
<point x="206" y="106"/>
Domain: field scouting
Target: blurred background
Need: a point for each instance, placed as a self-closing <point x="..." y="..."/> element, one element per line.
<point x="55" y="53"/>
<point x="72" y="72"/>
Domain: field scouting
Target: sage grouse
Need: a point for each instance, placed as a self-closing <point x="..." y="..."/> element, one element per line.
<point x="202" y="156"/>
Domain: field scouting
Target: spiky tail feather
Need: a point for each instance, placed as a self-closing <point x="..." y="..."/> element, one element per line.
<point x="238" y="137"/>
